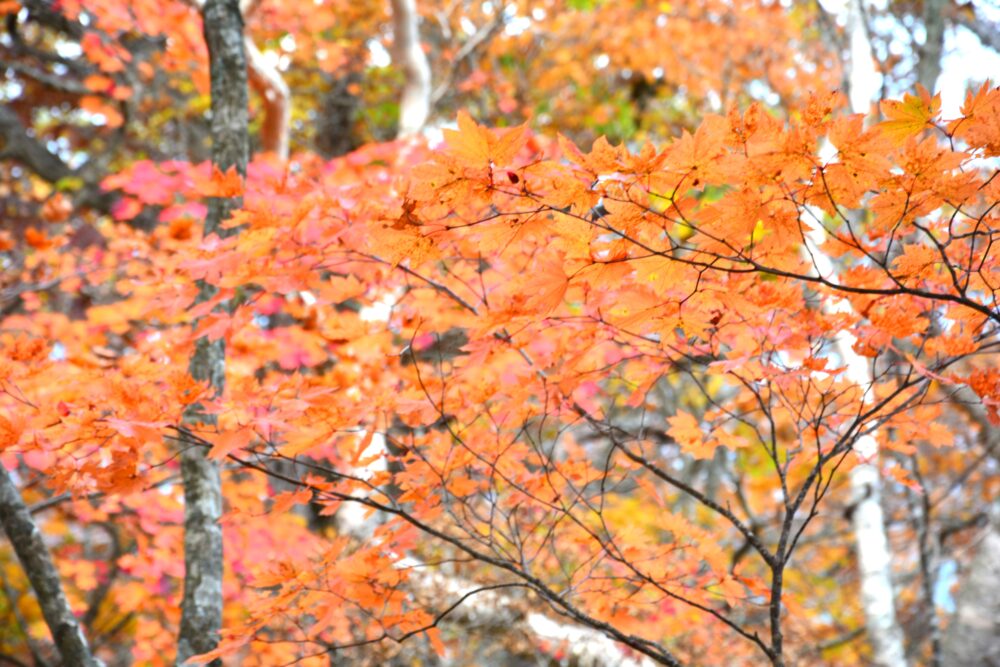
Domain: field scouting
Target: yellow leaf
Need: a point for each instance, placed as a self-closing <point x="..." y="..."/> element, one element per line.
<point x="910" y="116"/>
<point x="684" y="428"/>
<point x="508" y="144"/>
<point x="470" y="142"/>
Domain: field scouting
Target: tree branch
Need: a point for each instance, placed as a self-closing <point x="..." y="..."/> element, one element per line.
<point x="986" y="32"/>
<point x="59" y="83"/>
<point x="18" y="145"/>
<point x="589" y="639"/>
<point x="26" y="538"/>
<point x="482" y="36"/>
<point x="269" y="84"/>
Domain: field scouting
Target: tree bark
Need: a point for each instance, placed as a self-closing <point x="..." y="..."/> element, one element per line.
<point x="26" y="538"/>
<point x="17" y="144"/>
<point x="986" y="31"/>
<point x="973" y="635"/>
<point x="972" y="638"/>
<point x="201" y="608"/>
<point x="929" y="53"/>
<point x="415" y="106"/>
<point x="874" y="556"/>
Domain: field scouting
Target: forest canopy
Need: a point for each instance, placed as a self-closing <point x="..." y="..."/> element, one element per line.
<point x="563" y="333"/>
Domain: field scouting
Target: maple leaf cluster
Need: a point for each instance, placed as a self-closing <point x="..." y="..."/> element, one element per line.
<point x="607" y="386"/>
<point x="561" y="326"/>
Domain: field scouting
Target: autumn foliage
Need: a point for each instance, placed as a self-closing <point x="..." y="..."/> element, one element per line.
<point x="596" y="382"/>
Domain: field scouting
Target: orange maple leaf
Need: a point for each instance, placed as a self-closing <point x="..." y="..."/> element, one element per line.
<point x="225" y="185"/>
<point x="229" y="441"/>
<point x="549" y="284"/>
<point x="910" y="116"/>
<point x="477" y="146"/>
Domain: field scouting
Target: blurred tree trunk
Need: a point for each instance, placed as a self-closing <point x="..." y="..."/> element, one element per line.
<point x="929" y="53"/>
<point x="276" y="97"/>
<point x="973" y="636"/>
<point x="336" y="126"/>
<point x="274" y="93"/>
<point x="415" y="106"/>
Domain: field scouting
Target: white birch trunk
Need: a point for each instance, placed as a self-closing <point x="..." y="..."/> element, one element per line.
<point x="415" y="105"/>
<point x="354" y="518"/>
<point x="874" y="555"/>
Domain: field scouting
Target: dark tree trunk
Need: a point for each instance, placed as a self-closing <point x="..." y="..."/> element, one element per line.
<point x="26" y="539"/>
<point x="201" y="609"/>
<point x="336" y="131"/>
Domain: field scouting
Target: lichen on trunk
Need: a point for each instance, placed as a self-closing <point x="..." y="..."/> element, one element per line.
<point x="201" y="609"/>
<point x="26" y="538"/>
